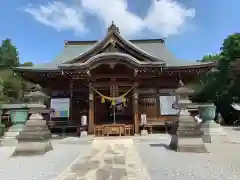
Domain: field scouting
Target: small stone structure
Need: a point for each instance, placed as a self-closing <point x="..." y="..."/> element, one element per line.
<point x="186" y="137"/>
<point x="212" y="131"/>
<point x="144" y="132"/>
<point x="83" y="133"/>
<point x="36" y="97"/>
<point x="34" y="138"/>
<point x="18" y="114"/>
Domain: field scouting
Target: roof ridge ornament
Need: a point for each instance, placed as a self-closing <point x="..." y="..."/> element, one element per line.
<point x="113" y="28"/>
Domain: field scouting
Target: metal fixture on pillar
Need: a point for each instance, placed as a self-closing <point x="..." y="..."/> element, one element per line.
<point x="90" y="96"/>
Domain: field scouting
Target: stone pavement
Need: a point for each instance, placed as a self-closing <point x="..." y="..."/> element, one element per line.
<point x="42" y="167"/>
<point x="110" y="159"/>
<point x="122" y="158"/>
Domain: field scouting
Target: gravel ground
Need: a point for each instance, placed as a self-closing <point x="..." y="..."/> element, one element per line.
<point x="168" y="165"/>
<point x="233" y="134"/>
<point x="44" y="167"/>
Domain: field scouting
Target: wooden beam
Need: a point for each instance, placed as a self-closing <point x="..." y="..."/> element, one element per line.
<point x="109" y="83"/>
<point x="102" y="76"/>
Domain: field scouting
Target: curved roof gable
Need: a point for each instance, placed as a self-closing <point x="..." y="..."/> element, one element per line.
<point x="114" y="37"/>
<point x="109" y="58"/>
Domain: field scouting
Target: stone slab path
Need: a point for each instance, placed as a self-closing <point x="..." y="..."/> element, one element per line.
<point x="110" y="159"/>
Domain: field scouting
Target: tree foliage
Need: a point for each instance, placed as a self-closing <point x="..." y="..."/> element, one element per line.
<point x="210" y="58"/>
<point x="8" y="54"/>
<point x="12" y="86"/>
<point x="27" y="64"/>
<point x="220" y="85"/>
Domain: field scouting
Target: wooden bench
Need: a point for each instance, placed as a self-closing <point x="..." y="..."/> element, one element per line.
<point x="129" y="129"/>
<point x="98" y="130"/>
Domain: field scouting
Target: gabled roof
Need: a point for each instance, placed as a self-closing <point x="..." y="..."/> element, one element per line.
<point x="113" y="37"/>
<point x="111" y="57"/>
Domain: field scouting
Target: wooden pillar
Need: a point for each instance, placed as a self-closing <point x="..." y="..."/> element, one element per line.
<point x="71" y="96"/>
<point x="158" y="104"/>
<point x="136" y="109"/>
<point x="91" y="111"/>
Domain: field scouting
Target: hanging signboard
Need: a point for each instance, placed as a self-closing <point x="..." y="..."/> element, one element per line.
<point x="61" y="107"/>
<point x="166" y="105"/>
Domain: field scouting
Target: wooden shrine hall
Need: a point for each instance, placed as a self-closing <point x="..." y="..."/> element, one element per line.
<point x="113" y="81"/>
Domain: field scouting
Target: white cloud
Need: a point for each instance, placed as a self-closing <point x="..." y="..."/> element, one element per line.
<point x="115" y="10"/>
<point x="59" y="16"/>
<point x="168" y="17"/>
<point x="165" y="17"/>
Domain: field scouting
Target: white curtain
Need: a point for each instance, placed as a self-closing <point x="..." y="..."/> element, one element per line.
<point x="166" y="105"/>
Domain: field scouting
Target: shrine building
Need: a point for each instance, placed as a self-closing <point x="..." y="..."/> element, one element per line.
<point x="113" y="81"/>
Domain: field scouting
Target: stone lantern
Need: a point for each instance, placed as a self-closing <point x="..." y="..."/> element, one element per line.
<point x="35" y="137"/>
<point x="186" y="137"/>
<point x="36" y="97"/>
<point x="186" y="124"/>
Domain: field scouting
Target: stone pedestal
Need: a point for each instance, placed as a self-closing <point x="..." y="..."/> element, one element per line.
<point x="187" y="127"/>
<point x="10" y="137"/>
<point x="83" y="134"/>
<point x="34" y="138"/>
<point x="187" y="137"/>
<point x="144" y="132"/>
<point x="213" y="133"/>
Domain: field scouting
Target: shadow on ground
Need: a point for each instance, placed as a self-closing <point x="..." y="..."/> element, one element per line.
<point x="236" y="129"/>
<point x="160" y="145"/>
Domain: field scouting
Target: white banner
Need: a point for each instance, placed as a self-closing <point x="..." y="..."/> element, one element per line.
<point x="166" y="105"/>
<point x="61" y="107"/>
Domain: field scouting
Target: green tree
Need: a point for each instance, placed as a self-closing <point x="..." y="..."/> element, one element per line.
<point x="8" y="54"/>
<point x="230" y="49"/>
<point x="220" y="86"/>
<point x="210" y="58"/>
<point x="27" y="64"/>
<point x="12" y="85"/>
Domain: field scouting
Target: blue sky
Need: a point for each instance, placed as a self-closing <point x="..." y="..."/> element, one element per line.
<point x="192" y="28"/>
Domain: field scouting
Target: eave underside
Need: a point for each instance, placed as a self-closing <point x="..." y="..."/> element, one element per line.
<point x="147" y="77"/>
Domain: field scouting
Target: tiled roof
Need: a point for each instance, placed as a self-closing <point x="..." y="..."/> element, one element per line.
<point x="155" y="47"/>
